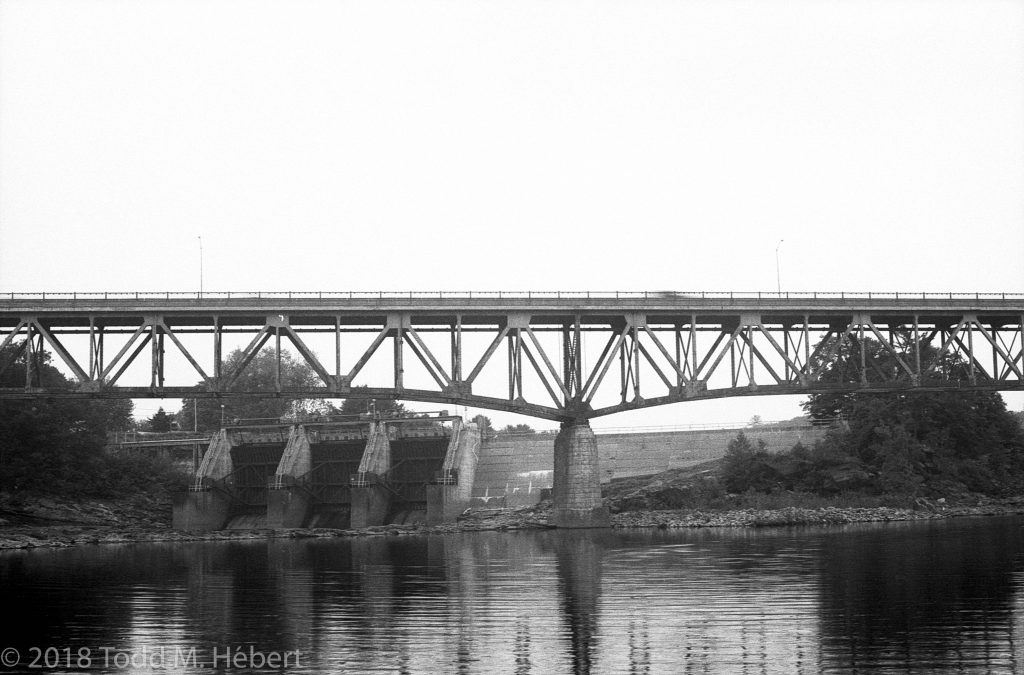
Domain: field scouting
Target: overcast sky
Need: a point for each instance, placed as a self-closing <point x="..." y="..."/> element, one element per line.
<point x="519" y="145"/>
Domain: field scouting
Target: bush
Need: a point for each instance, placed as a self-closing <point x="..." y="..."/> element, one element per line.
<point x="126" y="474"/>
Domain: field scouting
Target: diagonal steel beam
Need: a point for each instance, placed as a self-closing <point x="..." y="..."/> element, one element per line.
<point x="127" y="362"/>
<point x="891" y="347"/>
<point x="417" y="345"/>
<point x="543" y="380"/>
<point x="749" y="339"/>
<point x="308" y="356"/>
<point x="597" y="365"/>
<point x="423" y="353"/>
<point x="12" y="335"/>
<point x="999" y="350"/>
<point x="721" y="353"/>
<point x="609" y="357"/>
<point x="487" y="354"/>
<point x="830" y="352"/>
<point x="626" y="371"/>
<point x="61" y="352"/>
<point x="16" y="353"/>
<point x="654" y="366"/>
<point x="810" y="356"/>
<point x="547" y="362"/>
<point x="861" y="345"/>
<point x="1011" y="358"/>
<point x="664" y="352"/>
<point x="722" y="335"/>
<point x="248" y="355"/>
<point x="977" y="367"/>
<point x="128" y="345"/>
<point x="188" y="356"/>
<point x="515" y="364"/>
<point x="790" y="363"/>
<point x="945" y="346"/>
<point x="377" y="341"/>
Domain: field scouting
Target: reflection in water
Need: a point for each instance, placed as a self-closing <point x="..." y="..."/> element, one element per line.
<point x="933" y="596"/>
<point x="929" y="596"/>
<point x="578" y="558"/>
<point x="740" y="601"/>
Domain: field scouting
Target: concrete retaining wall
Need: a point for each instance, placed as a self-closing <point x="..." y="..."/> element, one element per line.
<point x="517" y="469"/>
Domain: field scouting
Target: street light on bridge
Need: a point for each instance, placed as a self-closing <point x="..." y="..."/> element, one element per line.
<point x="200" y="266"/>
<point x="778" y="275"/>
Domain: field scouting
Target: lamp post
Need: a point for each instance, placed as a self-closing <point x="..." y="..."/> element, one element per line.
<point x="200" y="266"/>
<point x="778" y="274"/>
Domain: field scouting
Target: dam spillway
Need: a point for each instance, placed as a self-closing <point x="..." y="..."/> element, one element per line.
<point x="334" y="473"/>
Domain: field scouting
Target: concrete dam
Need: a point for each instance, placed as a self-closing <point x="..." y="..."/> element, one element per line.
<point x="332" y="474"/>
<point x="415" y="470"/>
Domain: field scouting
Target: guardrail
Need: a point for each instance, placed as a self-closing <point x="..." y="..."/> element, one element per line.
<point x="472" y="295"/>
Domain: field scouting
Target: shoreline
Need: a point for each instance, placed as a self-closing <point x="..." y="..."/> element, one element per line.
<point x="63" y="535"/>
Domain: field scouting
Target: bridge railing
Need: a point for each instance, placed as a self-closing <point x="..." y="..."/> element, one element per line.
<point x="500" y="295"/>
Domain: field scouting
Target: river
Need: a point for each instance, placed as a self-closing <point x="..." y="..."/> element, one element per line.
<point x="932" y="596"/>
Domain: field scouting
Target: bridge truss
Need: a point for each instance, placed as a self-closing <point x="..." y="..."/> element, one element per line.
<point x="555" y="356"/>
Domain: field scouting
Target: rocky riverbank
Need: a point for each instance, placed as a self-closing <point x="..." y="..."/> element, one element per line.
<point x="794" y="516"/>
<point x="52" y="523"/>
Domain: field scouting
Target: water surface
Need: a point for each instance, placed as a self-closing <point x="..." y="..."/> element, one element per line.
<point x="898" y="597"/>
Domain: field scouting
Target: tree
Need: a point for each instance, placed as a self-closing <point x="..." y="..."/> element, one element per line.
<point x="53" y="445"/>
<point x="912" y="438"/>
<point x="259" y="375"/>
<point x="160" y="422"/>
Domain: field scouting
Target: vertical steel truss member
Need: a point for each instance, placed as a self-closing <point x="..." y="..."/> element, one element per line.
<point x="558" y="357"/>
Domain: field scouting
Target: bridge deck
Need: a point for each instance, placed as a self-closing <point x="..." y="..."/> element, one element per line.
<point x="70" y="304"/>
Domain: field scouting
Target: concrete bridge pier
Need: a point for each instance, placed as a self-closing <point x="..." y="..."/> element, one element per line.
<point x="452" y="489"/>
<point x="576" y="485"/>
<point x="204" y="507"/>
<point x="371" y="500"/>
<point x="289" y="503"/>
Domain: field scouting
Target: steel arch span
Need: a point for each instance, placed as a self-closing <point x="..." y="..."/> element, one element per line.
<point x="559" y="356"/>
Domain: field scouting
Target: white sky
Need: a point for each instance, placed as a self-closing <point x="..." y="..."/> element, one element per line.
<point x="520" y="145"/>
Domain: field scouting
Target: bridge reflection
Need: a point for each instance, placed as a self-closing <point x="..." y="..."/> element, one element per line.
<point x="945" y="596"/>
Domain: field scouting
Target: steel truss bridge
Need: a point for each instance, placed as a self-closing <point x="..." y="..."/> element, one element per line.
<point x="558" y="356"/>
